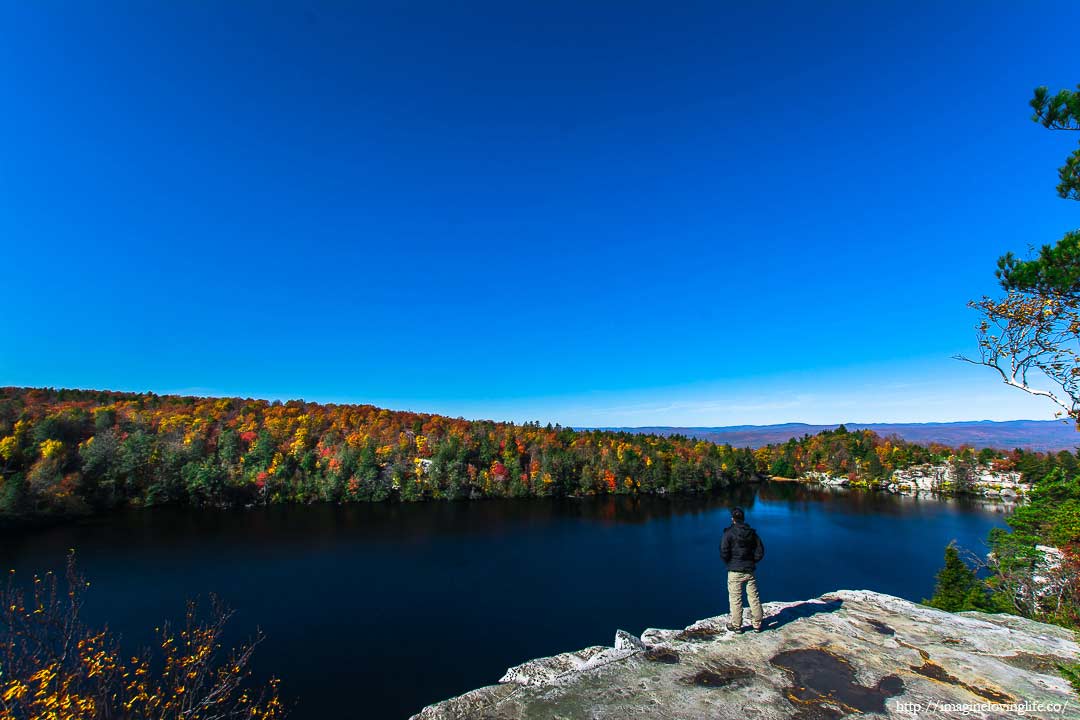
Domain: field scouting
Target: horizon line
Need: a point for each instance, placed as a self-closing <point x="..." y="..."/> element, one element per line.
<point x="215" y="396"/>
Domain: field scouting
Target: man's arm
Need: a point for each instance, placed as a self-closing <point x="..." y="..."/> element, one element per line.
<point x="759" y="549"/>
<point x="725" y="547"/>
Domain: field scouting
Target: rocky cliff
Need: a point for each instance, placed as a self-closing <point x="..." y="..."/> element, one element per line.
<point x="947" y="478"/>
<point x="845" y="653"/>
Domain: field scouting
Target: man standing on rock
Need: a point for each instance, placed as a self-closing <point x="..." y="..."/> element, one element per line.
<point x="742" y="550"/>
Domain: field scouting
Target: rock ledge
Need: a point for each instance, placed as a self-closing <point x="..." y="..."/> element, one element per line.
<point x="849" y="652"/>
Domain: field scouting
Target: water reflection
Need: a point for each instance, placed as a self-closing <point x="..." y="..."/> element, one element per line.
<point x="406" y="604"/>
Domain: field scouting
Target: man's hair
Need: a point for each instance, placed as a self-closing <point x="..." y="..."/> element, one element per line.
<point x="737" y="514"/>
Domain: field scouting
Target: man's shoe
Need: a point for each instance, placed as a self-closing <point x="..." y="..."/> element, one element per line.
<point x="759" y="629"/>
<point x="736" y="630"/>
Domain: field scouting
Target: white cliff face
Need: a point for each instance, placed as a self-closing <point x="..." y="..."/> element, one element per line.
<point x="826" y="479"/>
<point x="846" y="653"/>
<point x="951" y="477"/>
<point x="1051" y="574"/>
<point x="925" y="478"/>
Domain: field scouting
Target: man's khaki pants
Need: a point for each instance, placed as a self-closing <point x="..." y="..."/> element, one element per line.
<point x="735" y="582"/>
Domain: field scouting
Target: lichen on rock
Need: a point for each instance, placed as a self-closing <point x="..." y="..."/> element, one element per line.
<point x="845" y="653"/>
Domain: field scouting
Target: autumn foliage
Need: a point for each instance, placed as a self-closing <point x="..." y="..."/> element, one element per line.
<point x="72" y="451"/>
<point x="865" y="456"/>
<point x="55" y="667"/>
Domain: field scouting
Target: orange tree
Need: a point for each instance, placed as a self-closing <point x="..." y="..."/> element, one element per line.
<point x="1032" y="340"/>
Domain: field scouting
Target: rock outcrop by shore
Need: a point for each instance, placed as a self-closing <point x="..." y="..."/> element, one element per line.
<point x="845" y="653"/>
<point x="950" y="478"/>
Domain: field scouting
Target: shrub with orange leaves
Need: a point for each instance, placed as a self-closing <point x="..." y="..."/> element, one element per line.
<point x="57" y="668"/>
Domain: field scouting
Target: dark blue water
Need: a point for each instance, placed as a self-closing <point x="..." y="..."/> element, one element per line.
<point x="377" y="610"/>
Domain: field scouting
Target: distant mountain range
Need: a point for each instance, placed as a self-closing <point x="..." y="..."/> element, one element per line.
<point x="1043" y="435"/>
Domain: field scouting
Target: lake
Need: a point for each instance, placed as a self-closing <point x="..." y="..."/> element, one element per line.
<point x="375" y="610"/>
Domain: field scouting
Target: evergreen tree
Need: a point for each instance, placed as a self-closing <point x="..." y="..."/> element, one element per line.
<point x="958" y="587"/>
<point x="782" y="467"/>
<point x="1057" y="267"/>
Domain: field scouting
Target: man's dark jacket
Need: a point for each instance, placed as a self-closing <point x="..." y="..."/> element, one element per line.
<point x="741" y="548"/>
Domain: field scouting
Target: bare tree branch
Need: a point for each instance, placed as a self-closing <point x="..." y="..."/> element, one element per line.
<point x="1026" y="335"/>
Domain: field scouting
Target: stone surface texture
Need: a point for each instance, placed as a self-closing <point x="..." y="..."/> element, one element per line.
<point x="847" y="653"/>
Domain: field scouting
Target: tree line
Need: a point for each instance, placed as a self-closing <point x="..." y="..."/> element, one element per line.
<point x="66" y="452"/>
<point x="865" y="457"/>
<point x="78" y="451"/>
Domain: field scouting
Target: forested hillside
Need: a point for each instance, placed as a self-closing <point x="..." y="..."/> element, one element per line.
<point x="75" y="451"/>
<point x="79" y="451"/>
<point x="863" y="455"/>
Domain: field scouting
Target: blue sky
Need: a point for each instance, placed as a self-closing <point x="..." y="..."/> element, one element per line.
<point x="588" y="213"/>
